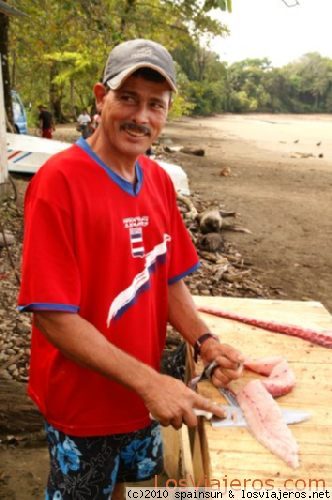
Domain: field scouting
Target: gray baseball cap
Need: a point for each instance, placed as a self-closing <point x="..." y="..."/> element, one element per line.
<point x="129" y="56"/>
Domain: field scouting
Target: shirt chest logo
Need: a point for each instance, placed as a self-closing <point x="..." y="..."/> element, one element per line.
<point x="135" y="227"/>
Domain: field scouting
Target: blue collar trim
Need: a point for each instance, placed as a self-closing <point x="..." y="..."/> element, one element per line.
<point x="128" y="187"/>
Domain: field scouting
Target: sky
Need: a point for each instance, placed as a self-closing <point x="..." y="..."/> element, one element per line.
<point x="268" y="28"/>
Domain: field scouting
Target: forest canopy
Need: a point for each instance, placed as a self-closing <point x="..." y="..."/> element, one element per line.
<point x="57" y="51"/>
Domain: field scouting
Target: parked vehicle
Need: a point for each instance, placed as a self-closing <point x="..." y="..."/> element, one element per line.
<point x="20" y="116"/>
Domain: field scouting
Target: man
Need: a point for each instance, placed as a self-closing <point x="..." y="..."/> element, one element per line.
<point x="105" y="252"/>
<point x="46" y="125"/>
<point x="84" y="124"/>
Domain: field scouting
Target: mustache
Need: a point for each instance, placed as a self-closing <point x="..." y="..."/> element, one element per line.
<point x="135" y="127"/>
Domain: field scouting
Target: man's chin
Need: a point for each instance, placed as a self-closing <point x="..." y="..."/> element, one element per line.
<point x="136" y="149"/>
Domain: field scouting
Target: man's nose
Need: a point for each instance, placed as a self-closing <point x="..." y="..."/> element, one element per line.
<point x="142" y="113"/>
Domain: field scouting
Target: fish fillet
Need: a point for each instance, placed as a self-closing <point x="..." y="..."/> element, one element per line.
<point x="281" y="378"/>
<point x="264" y="366"/>
<point x="265" y="421"/>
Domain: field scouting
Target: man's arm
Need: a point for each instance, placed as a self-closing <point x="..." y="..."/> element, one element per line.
<point x="167" y="399"/>
<point x="183" y="315"/>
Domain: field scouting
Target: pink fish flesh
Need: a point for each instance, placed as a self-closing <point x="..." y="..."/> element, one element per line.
<point x="320" y="337"/>
<point x="264" y="366"/>
<point x="265" y="422"/>
<point x="281" y="378"/>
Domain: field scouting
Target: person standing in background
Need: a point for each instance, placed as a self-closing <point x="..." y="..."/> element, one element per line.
<point x="84" y="124"/>
<point x="46" y="123"/>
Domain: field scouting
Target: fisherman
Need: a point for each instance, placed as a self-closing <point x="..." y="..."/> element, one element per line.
<point x="45" y="122"/>
<point x="105" y="254"/>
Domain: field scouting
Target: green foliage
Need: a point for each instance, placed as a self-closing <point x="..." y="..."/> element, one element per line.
<point x="57" y="53"/>
<point x="207" y="97"/>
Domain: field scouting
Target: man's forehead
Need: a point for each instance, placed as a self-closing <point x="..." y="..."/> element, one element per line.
<point x="137" y="83"/>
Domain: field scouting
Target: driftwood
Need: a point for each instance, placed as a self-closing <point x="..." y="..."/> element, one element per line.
<point x="193" y="151"/>
<point x="216" y="258"/>
<point x="234" y="227"/>
<point x="232" y="277"/>
<point x="189" y="204"/>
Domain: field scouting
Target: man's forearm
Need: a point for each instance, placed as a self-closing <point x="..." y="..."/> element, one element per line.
<point x="81" y="342"/>
<point x="166" y="398"/>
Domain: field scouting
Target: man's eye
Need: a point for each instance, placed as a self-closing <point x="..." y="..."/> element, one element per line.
<point x="128" y="98"/>
<point x="158" y="105"/>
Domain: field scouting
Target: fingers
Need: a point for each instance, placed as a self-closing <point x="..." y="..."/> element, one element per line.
<point x="226" y="363"/>
<point x="187" y="416"/>
<point x="232" y="354"/>
<point x="208" y="405"/>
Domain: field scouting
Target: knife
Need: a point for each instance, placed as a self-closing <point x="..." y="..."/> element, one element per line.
<point x="235" y="417"/>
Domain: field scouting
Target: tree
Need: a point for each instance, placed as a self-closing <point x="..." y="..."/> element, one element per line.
<point x="4" y="52"/>
<point x="311" y="78"/>
<point x="62" y="46"/>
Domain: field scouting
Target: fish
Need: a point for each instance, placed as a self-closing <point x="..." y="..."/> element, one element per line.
<point x="264" y="366"/>
<point x="265" y="422"/>
<point x="281" y="380"/>
<point x="280" y="377"/>
<point x="319" y="337"/>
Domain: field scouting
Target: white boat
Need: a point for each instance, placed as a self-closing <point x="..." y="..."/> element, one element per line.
<point x="26" y="154"/>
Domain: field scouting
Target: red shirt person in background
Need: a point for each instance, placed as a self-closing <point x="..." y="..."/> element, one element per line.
<point x="46" y="123"/>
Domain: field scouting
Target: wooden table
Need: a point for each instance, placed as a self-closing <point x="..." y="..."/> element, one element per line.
<point x="232" y="453"/>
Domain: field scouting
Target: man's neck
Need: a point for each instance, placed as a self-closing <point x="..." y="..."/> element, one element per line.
<point x="123" y="165"/>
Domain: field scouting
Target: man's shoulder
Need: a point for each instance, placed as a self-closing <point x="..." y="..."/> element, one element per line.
<point x="149" y="163"/>
<point x="60" y="172"/>
<point x="152" y="168"/>
<point x="64" y="161"/>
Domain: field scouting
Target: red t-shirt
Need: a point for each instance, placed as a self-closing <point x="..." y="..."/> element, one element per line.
<point x="97" y="246"/>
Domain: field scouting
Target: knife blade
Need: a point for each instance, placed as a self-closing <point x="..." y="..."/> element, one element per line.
<point x="235" y="418"/>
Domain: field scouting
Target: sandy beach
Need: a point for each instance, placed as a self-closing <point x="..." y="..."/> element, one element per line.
<point x="280" y="180"/>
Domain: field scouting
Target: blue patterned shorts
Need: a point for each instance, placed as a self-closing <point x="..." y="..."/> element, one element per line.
<point x="88" y="468"/>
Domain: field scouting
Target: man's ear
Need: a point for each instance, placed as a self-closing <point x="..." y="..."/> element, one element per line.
<point x="100" y="92"/>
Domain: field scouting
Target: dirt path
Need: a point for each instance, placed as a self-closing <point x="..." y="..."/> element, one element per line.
<point x="283" y="197"/>
<point x="282" y="193"/>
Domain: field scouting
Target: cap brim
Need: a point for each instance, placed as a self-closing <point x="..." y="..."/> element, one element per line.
<point x="116" y="82"/>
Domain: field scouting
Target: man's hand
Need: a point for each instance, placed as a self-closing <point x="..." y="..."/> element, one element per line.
<point x="171" y="402"/>
<point x="230" y="361"/>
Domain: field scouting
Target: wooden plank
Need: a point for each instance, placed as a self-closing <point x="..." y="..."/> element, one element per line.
<point x="171" y="441"/>
<point x="197" y="455"/>
<point x="187" y="469"/>
<point x="234" y="452"/>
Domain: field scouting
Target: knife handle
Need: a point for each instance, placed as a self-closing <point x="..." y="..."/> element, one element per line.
<point x="198" y="413"/>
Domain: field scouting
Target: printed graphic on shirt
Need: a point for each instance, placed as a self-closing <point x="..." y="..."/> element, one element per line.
<point x="135" y="226"/>
<point x="136" y="241"/>
<point x="136" y="221"/>
<point x="140" y="282"/>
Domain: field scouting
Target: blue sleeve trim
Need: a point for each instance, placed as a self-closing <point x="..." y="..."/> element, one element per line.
<point x="48" y="307"/>
<point x="179" y="277"/>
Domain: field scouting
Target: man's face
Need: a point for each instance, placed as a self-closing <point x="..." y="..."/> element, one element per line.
<point x="133" y="116"/>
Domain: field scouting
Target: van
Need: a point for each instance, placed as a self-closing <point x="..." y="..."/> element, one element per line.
<point x="19" y="114"/>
